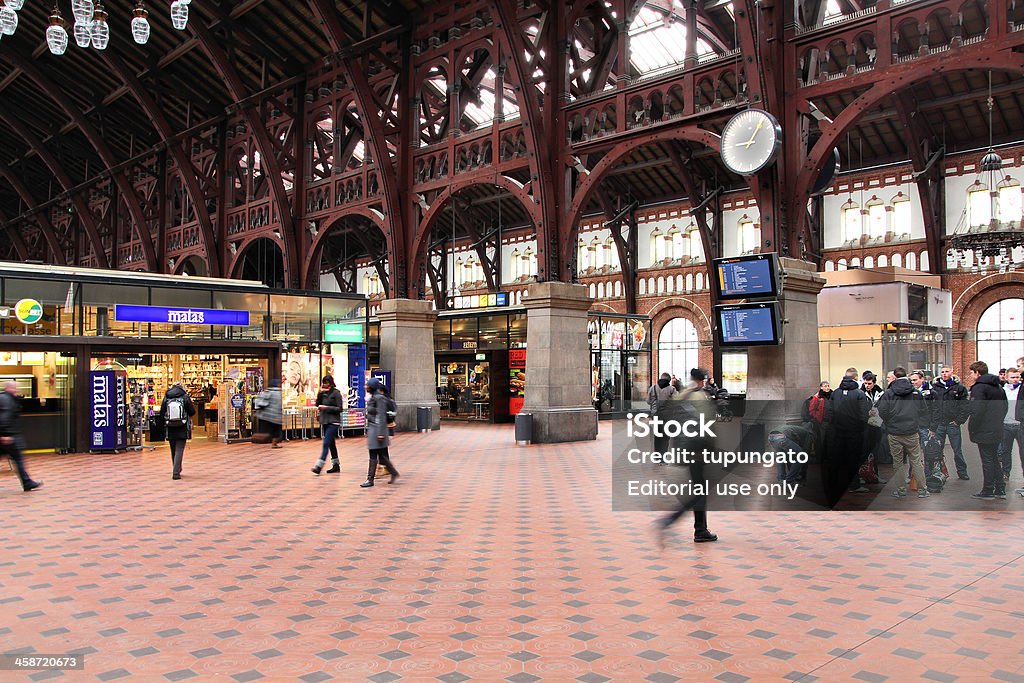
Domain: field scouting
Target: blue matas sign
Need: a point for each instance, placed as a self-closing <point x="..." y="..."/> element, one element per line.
<point x="180" y="316"/>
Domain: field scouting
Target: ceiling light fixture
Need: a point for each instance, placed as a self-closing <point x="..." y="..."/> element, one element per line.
<point x="140" y="24"/>
<point x="56" y="34"/>
<point x="91" y="27"/>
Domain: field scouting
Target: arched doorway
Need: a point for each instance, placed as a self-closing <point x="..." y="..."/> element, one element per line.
<point x="262" y="260"/>
<point x="1001" y="334"/>
<point x="678" y="347"/>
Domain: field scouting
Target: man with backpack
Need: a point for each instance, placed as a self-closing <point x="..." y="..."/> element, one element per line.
<point x="177" y="410"/>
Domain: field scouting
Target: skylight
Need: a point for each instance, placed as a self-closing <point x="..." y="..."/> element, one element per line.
<point x="658" y="41"/>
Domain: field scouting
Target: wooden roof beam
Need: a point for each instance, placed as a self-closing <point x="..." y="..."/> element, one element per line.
<point x="85" y="215"/>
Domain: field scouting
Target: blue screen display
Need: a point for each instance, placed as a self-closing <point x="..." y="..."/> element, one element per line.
<point x="746" y="278"/>
<point x="748" y="325"/>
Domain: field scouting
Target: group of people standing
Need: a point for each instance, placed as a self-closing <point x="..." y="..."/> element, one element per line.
<point x="915" y="415"/>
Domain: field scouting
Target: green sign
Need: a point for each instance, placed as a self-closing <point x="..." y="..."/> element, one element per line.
<point x="343" y="333"/>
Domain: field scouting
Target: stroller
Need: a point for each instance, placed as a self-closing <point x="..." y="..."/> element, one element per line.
<point x="935" y="470"/>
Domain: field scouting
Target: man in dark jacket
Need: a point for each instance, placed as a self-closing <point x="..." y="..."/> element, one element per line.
<point x="657" y="396"/>
<point x="950" y="413"/>
<point x="924" y="387"/>
<point x="987" y="410"/>
<point x="904" y="412"/>
<point x="848" y="414"/>
<point x="179" y="431"/>
<point x="11" y="440"/>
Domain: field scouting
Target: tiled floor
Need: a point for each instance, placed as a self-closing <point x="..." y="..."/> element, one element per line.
<point x="485" y="562"/>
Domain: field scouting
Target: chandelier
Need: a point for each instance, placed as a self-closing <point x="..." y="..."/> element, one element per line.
<point x="1001" y="235"/>
<point x="90" y="28"/>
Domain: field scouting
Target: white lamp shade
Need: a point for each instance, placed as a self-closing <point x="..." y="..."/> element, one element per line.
<point x="100" y="34"/>
<point x="15" y="4"/>
<point x="140" y="30"/>
<point x="56" y="39"/>
<point x="83" y="33"/>
<point x="179" y="14"/>
<point x="8" y="21"/>
<point x="82" y="9"/>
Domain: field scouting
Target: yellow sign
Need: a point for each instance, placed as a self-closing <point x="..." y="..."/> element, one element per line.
<point x="28" y="311"/>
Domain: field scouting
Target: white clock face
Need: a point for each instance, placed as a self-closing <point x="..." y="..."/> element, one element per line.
<point x="750" y="141"/>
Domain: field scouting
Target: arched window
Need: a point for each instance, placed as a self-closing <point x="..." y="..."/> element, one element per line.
<point x="1010" y="209"/>
<point x="748" y="236"/>
<point x="897" y="260"/>
<point x="700" y="282"/>
<point x="600" y="290"/>
<point x="661" y="285"/>
<point x="618" y="288"/>
<point x="679" y="283"/>
<point x="901" y="214"/>
<point x="689" y="282"/>
<point x="676" y="248"/>
<point x="1001" y="333"/>
<point x="829" y="266"/>
<point x="924" y="262"/>
<point x="850" y="226"/>
<point x="611" y="254"/>
<point x="876" y="218"/>
<point x="855" y="262"/>
<point x="593" y="291"/>
<point x="869" y="262"/>
<point x="643" y="287"/>
<point x="911" y="261"/>
<point x="657" y="245"/>
<point x="842" y="264"/>
<point x="669" y="284"/>
<point x="883" y="261"/>
<point x="650" y="285"/>
<point x="696" y="245"/>
<point x="979" y="205"/>
<point x="677" y="347"/>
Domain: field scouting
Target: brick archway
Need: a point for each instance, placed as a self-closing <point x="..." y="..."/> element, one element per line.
<point x="969" y="307"/>
<point x="678" y="307"/>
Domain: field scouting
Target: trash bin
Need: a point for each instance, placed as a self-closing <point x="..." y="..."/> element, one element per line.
<point x="423" y="418"/>
<point x="524" y="429"/>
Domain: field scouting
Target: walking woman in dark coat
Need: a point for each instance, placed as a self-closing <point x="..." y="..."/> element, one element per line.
<point x="377" y="433"/>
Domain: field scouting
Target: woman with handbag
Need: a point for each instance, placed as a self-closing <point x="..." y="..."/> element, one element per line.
<point x="269" y="410"/>
<point x="377" y="433"/>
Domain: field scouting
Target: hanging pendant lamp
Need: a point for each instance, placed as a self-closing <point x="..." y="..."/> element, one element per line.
<point x="140" y="24"/>
<point x="56" y="34"/>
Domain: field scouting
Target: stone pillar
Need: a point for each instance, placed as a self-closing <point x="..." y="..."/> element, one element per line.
<point x="407" y="350"/>
<point x="790" y="372"/>
<point x="558" y="390"/>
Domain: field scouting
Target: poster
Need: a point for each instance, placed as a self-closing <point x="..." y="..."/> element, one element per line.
<point x="108" y="417"/>
<point x="356" y="383"/>
<point x="516" y="380"/>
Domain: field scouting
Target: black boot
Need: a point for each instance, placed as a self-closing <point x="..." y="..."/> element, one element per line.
<point x="369" y="474"/>
<point x="704" y="536"/>
<point x="386" y="461"/>
<point x="335" y="468"/>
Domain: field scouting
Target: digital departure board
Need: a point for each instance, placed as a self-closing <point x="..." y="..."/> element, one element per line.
<point x="749" y="324"/>
<point x="747" y="277"/>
